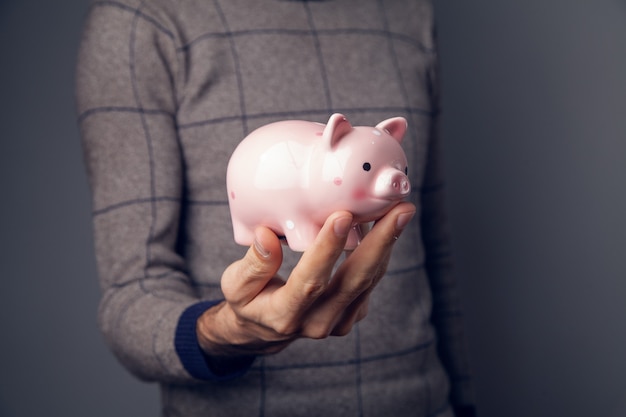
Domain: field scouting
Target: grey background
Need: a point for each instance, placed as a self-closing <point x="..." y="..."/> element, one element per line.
<point x="535" y="127"/>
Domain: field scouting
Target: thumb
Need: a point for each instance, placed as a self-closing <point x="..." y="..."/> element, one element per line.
<point x="244" y="279"/>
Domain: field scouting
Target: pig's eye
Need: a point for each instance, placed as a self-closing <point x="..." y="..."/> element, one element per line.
<point x="406" y="170"/>
<point x="367" y="166"/>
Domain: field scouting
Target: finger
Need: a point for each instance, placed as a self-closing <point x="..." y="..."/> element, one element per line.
<point x="368" y="263"/>
<point x="389" y="228"/>
<point x="361" y="271"/>
<point x="355" y="312"/>
<point x="310" y="278"/>
<point x="369" y="260"/>
<point x="243" y="280"/>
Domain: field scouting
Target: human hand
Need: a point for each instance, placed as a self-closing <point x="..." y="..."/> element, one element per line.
<point x="263" y="313"/>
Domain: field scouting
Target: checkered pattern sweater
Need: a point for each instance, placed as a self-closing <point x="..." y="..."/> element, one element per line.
<point x="165" y="91"/>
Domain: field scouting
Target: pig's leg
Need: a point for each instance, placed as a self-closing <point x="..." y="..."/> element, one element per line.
<point x="300" y="233"/>
<point x="354" y="237"/>
<point x="243" y="234"/>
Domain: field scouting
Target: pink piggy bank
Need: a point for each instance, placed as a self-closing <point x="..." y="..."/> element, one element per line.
<point x="291" y="175"/>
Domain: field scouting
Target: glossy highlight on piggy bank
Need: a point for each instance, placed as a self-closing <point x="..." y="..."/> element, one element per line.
<point x="291" y="175"/>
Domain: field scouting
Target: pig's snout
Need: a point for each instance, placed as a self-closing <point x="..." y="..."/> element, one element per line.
<point x="392" y="184"/>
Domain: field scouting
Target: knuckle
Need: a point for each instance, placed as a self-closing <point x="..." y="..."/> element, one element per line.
<point x="318" y="331"/>
<point x="342" y="330"/>
<point x="362" y="313"/>
<point x="313" y="290"/>
<point x="358" y="286"/>
<point x="253" y="267"/>
<point x="285" y="329"/>
<point x="345" y="297"/>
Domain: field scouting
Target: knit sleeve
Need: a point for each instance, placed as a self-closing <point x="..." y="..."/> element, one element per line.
<point x="126" y="97"/>
<point x="447" y="313"/>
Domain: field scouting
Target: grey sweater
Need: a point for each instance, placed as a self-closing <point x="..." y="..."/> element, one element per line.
<point x="165" y="90"/>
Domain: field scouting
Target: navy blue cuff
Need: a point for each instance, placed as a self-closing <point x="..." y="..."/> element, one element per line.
<point x="196" y="362"/>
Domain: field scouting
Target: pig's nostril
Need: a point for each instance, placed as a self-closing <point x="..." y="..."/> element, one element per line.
<point x="404" y="186"/>
<point x="400" y="185"/>
<point x="392" y="185"/>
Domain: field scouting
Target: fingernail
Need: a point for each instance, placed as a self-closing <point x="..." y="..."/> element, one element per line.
<point x="342" y="226"/>
<point x="261" y="250"/>
<point x="403" y="220"/>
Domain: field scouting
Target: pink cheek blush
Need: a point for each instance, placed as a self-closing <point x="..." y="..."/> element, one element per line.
<point x="359" y="194"/>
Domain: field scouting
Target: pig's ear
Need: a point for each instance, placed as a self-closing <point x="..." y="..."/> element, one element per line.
<point x="336" y="128"/>
<point x="396" y="127"/>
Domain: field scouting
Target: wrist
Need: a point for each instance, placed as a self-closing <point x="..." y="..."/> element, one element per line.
<point x="194" y="359"/>
<point x="210" y="329"/>
<point x="217" y="334"/>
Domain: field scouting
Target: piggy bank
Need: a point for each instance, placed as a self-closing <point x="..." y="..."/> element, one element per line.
<point x="291" y="175"/>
